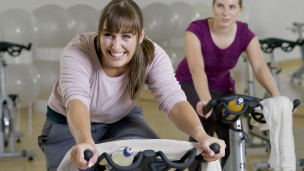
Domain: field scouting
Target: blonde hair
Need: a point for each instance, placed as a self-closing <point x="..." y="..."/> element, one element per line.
<point x="125" y="15"/>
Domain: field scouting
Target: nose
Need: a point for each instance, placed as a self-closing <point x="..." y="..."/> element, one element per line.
<point x="116" y="44"/>
<point x="226" y="11"/>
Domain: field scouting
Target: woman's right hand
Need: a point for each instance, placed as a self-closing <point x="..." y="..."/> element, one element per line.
<point x="199" y="109"/>
<point x="77" y="155"/>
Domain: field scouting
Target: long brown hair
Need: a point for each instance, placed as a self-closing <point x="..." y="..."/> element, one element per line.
<point x="125" y="15"/>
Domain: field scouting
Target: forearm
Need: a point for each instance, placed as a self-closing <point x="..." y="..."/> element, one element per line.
<point x="185" y="119"/>
<point x="200" y="82"/>
<point x="78" y="118"/>
<point x="266" y="79"/>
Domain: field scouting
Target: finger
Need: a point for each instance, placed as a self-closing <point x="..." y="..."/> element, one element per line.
<point x="208" y="114"/>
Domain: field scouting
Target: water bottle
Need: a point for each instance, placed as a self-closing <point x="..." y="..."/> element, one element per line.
<point x="122" y="156"/>
<point x="235" y="105"/>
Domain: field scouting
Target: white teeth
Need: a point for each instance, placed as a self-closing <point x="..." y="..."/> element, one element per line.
<point x="117" y="54"/>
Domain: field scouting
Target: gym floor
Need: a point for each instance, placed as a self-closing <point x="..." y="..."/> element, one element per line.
<point x="161" y="124"/>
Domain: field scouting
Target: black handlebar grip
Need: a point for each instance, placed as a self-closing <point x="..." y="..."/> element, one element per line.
<point x="296" y="103"/>
<point x="87" y="154"/>
<point x="209" y="106"/>
<point x="29" y="46"/>
<point x="215" y="147"/>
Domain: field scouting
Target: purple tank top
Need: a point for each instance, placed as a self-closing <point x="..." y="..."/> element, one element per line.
<point x="218" y="62"/>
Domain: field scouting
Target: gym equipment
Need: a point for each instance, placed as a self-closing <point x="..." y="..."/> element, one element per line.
<point x="299" y="28"/>
<point x="238" y="138"/>
<point x="268" y="46"/>
<point x="7" y="134"/>
<point x="156" y="154"/>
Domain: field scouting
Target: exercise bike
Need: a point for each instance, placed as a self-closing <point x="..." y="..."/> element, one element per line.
<point x="151" y="154"/>
<point x="238" y="138"/>
<point x="298" y="27"/>
<point x="7" y="134"/>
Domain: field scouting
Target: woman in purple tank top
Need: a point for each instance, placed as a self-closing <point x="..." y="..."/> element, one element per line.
<point x="213" y="47"/>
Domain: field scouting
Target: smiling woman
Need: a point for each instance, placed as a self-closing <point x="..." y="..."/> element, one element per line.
<point x="101" y="78"/>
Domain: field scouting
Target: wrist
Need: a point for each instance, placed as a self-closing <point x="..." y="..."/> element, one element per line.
<point x="200" y="134"/>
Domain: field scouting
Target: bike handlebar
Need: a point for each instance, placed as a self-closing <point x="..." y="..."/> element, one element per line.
<point x="209" y="106"/>
<point x="154" y="159"/>
<point x="88" y="154"/>
<point x="269" y="44"/>
<point x="249" y="104"/>
<point x="13" y="49"/>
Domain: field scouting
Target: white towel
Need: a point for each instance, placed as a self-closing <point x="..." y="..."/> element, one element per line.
<point x="173" y="149"/>
<point x="278" y="115"/>
<point x="212" y="166"/>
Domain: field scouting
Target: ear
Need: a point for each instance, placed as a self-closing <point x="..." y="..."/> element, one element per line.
<point x="142" y="35"/>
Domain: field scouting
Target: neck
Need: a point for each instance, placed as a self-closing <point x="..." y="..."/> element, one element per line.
<point x="221" y="31"/>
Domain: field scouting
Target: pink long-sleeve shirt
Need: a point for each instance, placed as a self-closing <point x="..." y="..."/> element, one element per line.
<point x="82" y="77"/>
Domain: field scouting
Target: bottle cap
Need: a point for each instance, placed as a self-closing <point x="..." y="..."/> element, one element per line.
<point x="127" y="152"/>
<point x="240" y="101"/>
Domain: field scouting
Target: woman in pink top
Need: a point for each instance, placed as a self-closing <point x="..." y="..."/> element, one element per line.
<point x="101" y="77"/>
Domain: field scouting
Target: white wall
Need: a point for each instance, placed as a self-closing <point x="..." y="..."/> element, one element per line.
<point x="267" y="18"/>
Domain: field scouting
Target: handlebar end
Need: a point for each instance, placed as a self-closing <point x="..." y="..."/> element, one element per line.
<point x="87" y="154"/>
<point x="296" y="103"/>
<point x="215" y="147"/>
<point x="29" y="46"/>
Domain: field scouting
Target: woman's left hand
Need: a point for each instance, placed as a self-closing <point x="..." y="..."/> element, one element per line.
<point x="77" y="155"/>
<point x="208" y="154"/>
<point x="199" y="109"/>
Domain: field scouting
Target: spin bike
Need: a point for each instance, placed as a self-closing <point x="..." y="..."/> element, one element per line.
<point x="238" y="138"/>
<point x="269" y="45"/>
<point x="150" y="154"/>
<point x="299" y="28"/>
<point x="7" y="134"/>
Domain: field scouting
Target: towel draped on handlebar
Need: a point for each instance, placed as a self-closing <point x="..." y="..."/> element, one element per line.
<point x="277" y="112"/>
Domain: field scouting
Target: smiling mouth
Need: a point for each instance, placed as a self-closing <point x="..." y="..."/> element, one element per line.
<point x="116" y="55"/>
<point x="225" y="20"/>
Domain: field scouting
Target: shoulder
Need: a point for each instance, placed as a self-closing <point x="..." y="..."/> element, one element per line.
<point x="244" y="29"/>
<point x="198" y="23"/>
<point x="82" y="40"/>
<point x="80" y="50"/>
<point x="82" y="44"/>
<point x="159" y="52"/>
<point x="161" y="58"/>
<point x="242" y="26"/>
<point x="199" y="27"/>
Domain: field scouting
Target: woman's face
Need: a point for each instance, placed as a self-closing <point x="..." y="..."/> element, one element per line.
<point x="118" y="49"/>
<point x="226" y="12"/>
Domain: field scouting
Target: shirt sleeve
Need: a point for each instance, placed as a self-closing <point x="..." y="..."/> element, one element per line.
<point x="75" y="69"/>
<point x="162" y="82"/>
<point x="247" y="36"/>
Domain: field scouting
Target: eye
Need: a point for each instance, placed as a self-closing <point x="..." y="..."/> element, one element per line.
<point x="232" y="6"/>
<point x="126" y="36"/>
<point x="108" y="35"/>
<point x="220" y="5"/>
